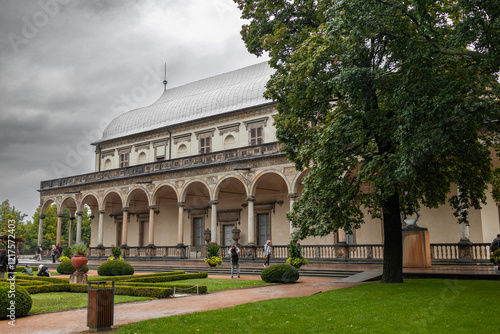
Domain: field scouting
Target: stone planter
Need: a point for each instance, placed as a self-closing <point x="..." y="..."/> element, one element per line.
<point x="78" y="262"/>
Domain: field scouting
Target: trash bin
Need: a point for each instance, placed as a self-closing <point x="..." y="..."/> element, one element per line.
<point x="100" y="307"/>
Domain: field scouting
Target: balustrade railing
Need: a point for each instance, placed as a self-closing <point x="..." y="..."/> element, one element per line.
<point x="373" y="253"/>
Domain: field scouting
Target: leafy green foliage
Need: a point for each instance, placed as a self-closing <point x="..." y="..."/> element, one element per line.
<point x="20" y="297"/>
<point x="115" y="268"/>
<point x="79" y="249"/>
<point x="280" y="273"/>
<point x="213" y="250"/>
<point x="387" y="103"/>
<point x="66" y="268"/>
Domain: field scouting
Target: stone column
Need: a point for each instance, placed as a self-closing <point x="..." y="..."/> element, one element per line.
<point x="180" y="226"/>
<point x="70" y="232"/>
<point x="464" y="245"/>
<point x="292" y="198"/>
<point x="58" y="233"/>
<point x="40" y="229"/>
<point x="213" y="221"/>
<point x="79" y="215"/>
<point x="100" y="231"/>
<point x="251" y="220"/>
<point x="125" y="227"/>
<point x="151" y="225"/>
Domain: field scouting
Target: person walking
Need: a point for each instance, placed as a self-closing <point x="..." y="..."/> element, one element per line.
<point x="59" y="250"/>
<point x="267" y="253"/>
<point x="3" y="263"/>
<point x="53" y="252"/>
<point x="38" y="251"/>
<point x="233" y="253"/>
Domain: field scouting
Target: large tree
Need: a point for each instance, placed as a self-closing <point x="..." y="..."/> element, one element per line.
<point x="389" y="103"/>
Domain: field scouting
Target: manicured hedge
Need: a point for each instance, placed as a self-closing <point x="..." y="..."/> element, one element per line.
<point x="115" y="268"/>
<point x="66" y="268"/>
<point x="15" y="302"/>
<point x="126" y="277"/>
<point x="44" y="278"/>
<point x="167" y="278"/>
<point x="280" y="273"/>
<point x="155" y="292"/>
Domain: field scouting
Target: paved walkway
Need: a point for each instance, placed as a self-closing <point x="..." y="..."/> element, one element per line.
<point x="75" y="321"/>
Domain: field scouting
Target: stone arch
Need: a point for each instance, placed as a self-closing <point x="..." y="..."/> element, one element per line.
<point x="137" y="197"/>
<point x="112" y="200"/>
<point x="46" y="203"/>
<point x="142" y="158"/>
<point x="89" y="199"/>
<point x="195" y="192"/>
<point x="297" y="185"/>
<point x="70" y="203"/>
<point x="230" y="181"/>
<point x="107" y="164"/>
<point x="266" y="177"/>
<point x="162" y="188"/>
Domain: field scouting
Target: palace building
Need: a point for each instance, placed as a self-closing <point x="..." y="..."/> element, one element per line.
<point x="203" y="163"/>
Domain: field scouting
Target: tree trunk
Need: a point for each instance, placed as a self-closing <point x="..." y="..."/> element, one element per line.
<point x="393" y="242"/>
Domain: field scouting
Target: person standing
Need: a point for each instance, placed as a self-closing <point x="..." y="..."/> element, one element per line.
<point x="59" y="250"/>
<point x="495" y="245"/>
<point x="39" y="250"/>
<point x="3" y="263"/>
<point x="267" y="253"/>
<point x="233" y="253"/>
<point x="53" y="252"/>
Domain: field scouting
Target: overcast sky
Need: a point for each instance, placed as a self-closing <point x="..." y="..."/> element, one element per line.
<point x="68" y="67"/>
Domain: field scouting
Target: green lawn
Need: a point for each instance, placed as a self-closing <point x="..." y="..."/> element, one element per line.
<point x="416" y="306"/>
<point x="60" y="301"/>
<point x="217" y="284"/>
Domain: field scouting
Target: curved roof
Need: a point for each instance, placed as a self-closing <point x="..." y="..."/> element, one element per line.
<point x="236" y="90"/>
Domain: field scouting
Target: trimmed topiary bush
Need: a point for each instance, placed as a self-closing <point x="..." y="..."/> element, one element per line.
<point x="115" y="268"/>
<point x="21" y="298"/>
<point x="280" y="273"/>
<point x="66" y="268"/>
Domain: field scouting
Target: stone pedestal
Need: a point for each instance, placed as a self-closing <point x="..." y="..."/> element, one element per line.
<point x="416" y="248"/>
<point x="78" y="279"/>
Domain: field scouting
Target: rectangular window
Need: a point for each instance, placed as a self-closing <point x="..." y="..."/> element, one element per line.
<point x="198" y="231"/>
<point x="124" y="160"/>
<point x="205" y="144"/>
<point x="256" y="136"/>
<point x="263" y="223"/>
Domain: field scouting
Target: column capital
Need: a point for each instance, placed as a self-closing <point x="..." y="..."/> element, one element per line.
<point x="41" y="217"/>
<point x="181" y="204"/>
<point x="152" y="207"/>
<point x="292" y="195"/>
<point x="60" y="215"/>
<point x="91" y="217"/>
<point x="102" y="211"/>
<point x="250" y="199"/>
<point x="125" y="209"/>
<point x="79" y="213"/>
<point x="71" y="218"/>
<point x="214" y="202"/>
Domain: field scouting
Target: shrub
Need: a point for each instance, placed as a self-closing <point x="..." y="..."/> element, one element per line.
<point x="115" y="268"/>
<point x="280" y="273"/>
<point x="66" y="268"/>
<point x="144" y="292"/>
<point x="112" y="258"/>
<point x="67" y="252"/>
<point x="126" y="277"/>
<point x="63" y="258"/>
<point x="116" y="251"/>
<point x="20" y="296"/>
<point x="167" y="278"/>
<point x="19" y="269"/>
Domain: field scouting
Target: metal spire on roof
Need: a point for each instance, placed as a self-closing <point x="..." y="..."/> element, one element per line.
<point x="165" y="81"/>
